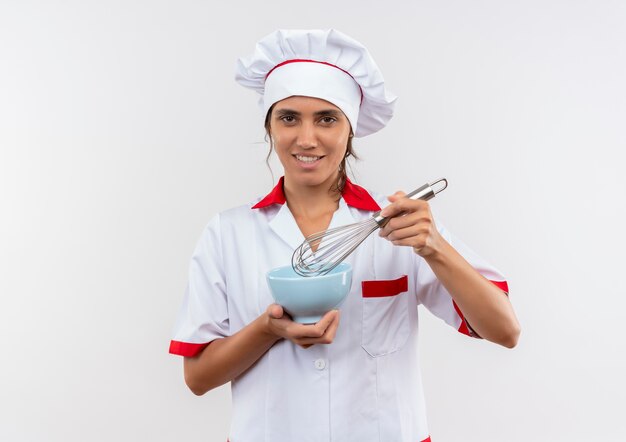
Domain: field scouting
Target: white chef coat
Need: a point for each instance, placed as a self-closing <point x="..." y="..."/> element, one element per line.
<point x="366" y="385"/>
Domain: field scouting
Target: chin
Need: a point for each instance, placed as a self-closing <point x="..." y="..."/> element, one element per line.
<point x="311" y="179"/>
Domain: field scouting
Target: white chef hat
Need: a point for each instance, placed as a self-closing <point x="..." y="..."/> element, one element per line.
<point x="324" y="64"/>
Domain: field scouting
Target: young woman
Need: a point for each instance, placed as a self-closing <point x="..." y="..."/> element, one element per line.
<point x="354" y="375"/>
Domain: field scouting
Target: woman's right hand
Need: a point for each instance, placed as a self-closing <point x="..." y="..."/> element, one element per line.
<point x="280" y="324"/>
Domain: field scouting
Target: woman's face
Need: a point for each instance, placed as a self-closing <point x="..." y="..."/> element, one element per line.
<point x="310" y="136"/>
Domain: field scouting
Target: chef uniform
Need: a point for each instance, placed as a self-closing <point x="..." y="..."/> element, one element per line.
<point x="366" y="385"/>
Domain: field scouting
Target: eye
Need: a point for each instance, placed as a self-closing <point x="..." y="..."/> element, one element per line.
<point x="288" y="119"/>
<point x="328" y="120"/>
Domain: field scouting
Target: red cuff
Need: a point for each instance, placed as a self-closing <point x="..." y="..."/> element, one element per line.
<point x="186" y="349"/>
<point x="502" y="285"/>
<point x="465" y="327"/>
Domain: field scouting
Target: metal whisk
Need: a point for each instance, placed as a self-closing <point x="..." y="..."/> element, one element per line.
<point x="321" y="252"/>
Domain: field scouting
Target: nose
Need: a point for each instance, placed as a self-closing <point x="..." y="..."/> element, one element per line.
<point x="306" y="138"/>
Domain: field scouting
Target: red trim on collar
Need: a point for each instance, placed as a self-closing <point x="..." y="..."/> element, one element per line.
<point x="358" y="197"/>
<point x="276" y="196"/>
<point x="354" y="196"/>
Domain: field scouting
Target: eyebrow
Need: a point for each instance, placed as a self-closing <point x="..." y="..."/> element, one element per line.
<point x="325" y="112"/>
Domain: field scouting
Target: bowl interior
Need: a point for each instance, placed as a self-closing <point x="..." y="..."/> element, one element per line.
<point x="287" y="272"/>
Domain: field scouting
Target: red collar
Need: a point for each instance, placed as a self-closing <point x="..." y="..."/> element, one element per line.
<point x="353" y="195"/>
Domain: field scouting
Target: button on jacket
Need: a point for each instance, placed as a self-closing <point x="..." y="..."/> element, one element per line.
<point x="366" y="385"/>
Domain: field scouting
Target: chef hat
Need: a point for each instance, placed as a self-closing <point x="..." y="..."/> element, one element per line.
<point x="323" y="64"/>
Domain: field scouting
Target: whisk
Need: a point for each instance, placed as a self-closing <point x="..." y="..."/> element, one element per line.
<point x="321" y="252"/>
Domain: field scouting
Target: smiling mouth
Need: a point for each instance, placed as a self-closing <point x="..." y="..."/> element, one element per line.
<point x="307" y="159"/>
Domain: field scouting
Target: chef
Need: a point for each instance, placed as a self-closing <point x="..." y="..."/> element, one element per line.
<point x="354" y="375"/>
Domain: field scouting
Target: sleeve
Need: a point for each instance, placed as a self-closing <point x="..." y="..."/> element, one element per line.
<point x="434" y="296"/>
<point x="203" y="315"/>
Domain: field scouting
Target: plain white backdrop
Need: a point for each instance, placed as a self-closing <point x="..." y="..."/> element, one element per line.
<point x="122" y="132"/>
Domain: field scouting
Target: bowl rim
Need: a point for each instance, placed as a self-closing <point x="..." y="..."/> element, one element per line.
<point x="296" y="277"/>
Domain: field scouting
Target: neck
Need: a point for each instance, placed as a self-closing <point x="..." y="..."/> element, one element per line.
<point x="311" y="202"/>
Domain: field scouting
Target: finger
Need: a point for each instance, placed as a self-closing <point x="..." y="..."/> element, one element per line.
<point x="392" y="198"/>
<point x="404" y="205"/>
<point x="315" y="331"/>
<point x="312" y="341"/>
<point x="328" y="336"/>
<point x="327" y="319"/>
<point x="414" y="216"/>
<point x="421" y="230"/>
<point x="421" y="226"/>
<point x="390" y="210"/>
<point x="402" y="222"/>
<point x="332" y="328"/>
<point x="397" y="195"/>
<point x="409" y="205"/>
<point x="414" y="242"/>
<point x="407" y="233"/>
<point x="416" y="223"/>
<point x="275" y="311"/>
<point x="419" y="246"/>
<point x="312" y="333"/>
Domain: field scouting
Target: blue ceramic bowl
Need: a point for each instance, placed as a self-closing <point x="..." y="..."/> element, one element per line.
<point x="308" y="298"/>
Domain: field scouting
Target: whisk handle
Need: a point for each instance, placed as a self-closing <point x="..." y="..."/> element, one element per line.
<point x="425" y="192"/>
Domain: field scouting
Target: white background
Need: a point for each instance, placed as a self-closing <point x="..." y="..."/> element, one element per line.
<point x="122" y="132"/>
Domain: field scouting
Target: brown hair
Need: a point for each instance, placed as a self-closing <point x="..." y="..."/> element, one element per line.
<point x="343" y="176"/>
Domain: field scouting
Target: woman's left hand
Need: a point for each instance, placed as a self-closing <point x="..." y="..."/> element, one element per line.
<point x="411" y="225"/>
<point x="482" y="303"/>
